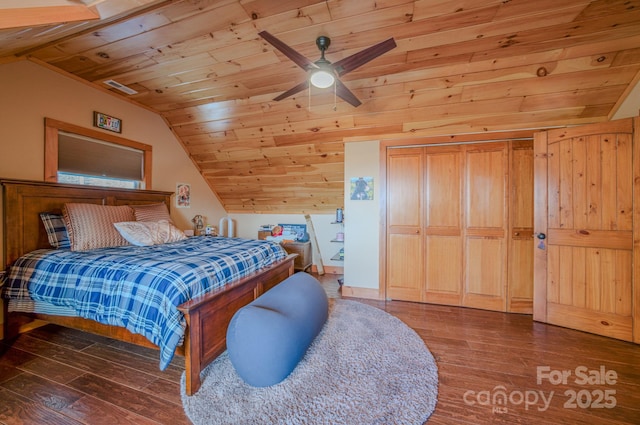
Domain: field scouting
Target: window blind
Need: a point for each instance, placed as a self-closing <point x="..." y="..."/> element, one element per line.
<point x="83" y="155"/>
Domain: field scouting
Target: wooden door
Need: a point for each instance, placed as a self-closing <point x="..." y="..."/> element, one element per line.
<point x="583" y="268"/>
<point x="486" y="221"/>
<point x="520" y="278"/>
<point x="448" y="229"/>
<point x="443" y="230"/>
<point x="405" y="255"/>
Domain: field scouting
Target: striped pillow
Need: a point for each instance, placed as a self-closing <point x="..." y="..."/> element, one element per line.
<point x="152" y="212"/>
<point x="90" y="226"/>
<point x="56" y="230"/>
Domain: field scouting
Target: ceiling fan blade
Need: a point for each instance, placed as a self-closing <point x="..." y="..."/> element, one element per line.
<point x="296" y="57"/>
<point x="356" y="60"/>
<point x="345" y="94"/>
<point x="302" y="86"/>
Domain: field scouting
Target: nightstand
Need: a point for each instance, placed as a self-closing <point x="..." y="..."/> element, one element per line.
<point x="303" y="261"/>
<point x="262" y="234"/>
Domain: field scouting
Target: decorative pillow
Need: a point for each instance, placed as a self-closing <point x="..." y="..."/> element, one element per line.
<point x="145" y="233"/>
<point x="267" y="338"/>
<point x="151" y="212"/>
<point x="56" y="230"/>
<point x="90" y="226"/>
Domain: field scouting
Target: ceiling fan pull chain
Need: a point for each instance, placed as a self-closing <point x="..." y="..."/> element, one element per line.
<point x="335" y="102"/>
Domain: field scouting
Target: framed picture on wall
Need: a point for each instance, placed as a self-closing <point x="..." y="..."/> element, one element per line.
<point x="107" y="122"/>
<point x="361" y="188"/>
<point x="183" y="195"/>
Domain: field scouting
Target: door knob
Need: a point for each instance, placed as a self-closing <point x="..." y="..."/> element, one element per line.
<point x="541" y="236"/>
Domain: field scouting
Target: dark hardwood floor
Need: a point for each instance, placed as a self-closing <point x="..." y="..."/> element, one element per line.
<point x="54" y="375"/>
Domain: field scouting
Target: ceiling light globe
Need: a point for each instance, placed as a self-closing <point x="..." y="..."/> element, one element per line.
<point x="322" y="79"/>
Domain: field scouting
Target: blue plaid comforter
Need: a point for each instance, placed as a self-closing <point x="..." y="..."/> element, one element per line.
<point x="138" y="288"/>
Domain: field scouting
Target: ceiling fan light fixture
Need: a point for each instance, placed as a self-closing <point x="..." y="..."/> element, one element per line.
<point x="322" y="73"/>
<point x="322" y="78"/>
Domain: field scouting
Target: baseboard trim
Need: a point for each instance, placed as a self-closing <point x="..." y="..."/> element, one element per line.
<point x="329" y="269"/>
<point x="355" y="292"/>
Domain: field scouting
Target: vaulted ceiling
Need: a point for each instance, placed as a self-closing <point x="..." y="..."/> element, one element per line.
<point x="465" y="66"/>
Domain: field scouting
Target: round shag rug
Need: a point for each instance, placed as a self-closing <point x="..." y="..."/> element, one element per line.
<point x="365" y="367"/>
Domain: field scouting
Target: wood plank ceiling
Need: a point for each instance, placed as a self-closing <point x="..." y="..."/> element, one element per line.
<point x="459" y="67"/>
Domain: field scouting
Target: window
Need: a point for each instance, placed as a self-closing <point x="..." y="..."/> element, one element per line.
<point x="98" y="181"/>
<point x="83" y="156"/>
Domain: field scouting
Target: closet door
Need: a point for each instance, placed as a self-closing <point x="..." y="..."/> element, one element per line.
<point x="448" y="225"/>
<point x="486" y="225"/>
<point x="520" y="297"/>
<point x="443" y="231"/>
<point x="405" y="199"/>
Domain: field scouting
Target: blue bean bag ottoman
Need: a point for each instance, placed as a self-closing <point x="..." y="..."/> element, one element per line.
<point x="268" y="337"/>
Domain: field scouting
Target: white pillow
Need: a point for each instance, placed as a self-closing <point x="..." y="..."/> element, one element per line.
<point x="145" y="233"/>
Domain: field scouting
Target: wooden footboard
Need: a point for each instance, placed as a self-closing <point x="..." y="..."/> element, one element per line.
<point x="207" y="317"/>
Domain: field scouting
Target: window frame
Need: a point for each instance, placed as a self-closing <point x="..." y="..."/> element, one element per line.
<point x="51" y="129"/>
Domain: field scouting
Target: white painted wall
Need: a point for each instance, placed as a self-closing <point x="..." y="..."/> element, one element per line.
<point x="362" y="218"/>
<point x="630" y="107"/>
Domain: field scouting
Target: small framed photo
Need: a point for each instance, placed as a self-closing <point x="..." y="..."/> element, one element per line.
<point x="183" y="195"/>
<point x="361" y="188"/>
<point x="107" y="122"/>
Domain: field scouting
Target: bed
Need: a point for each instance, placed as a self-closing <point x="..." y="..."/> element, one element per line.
<point x="206" y="315"/>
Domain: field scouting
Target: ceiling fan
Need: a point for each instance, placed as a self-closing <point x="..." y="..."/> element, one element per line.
<point x="323" y="73"/>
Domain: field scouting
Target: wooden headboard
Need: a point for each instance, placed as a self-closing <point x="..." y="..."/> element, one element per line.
<point x="23" y="201"/>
